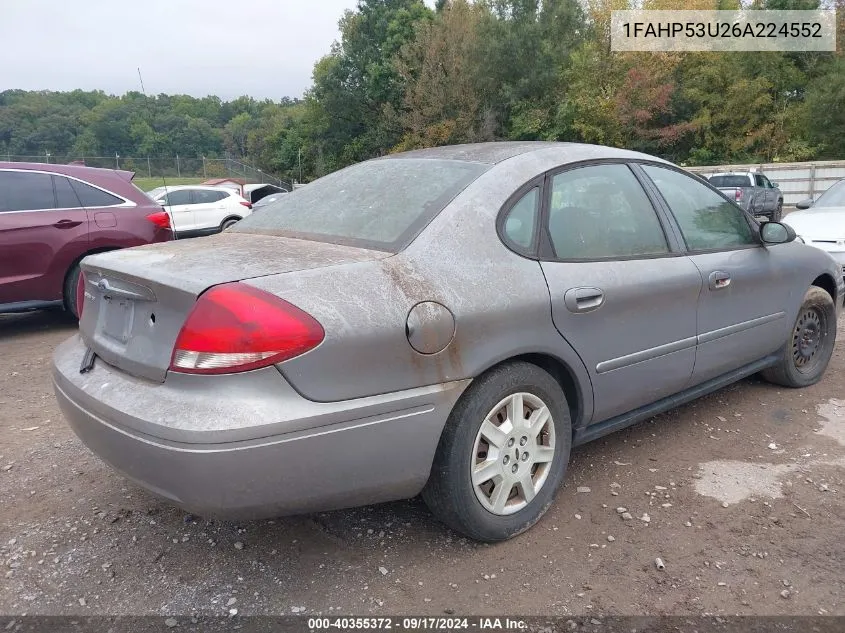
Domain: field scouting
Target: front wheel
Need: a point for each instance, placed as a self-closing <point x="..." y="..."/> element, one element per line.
<point x="502" y="454"/>
<point x="778" y="214"/>
<point x="807" y="353"/>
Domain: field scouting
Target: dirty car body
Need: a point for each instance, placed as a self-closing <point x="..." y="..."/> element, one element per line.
<point x="410" y="312"/>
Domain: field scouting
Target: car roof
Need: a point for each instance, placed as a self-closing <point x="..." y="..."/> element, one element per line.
<point x="77" y="171"/>
<point x="732" y="173"/>
<point x="202" y="187"/>
<point x="497" y="152"/>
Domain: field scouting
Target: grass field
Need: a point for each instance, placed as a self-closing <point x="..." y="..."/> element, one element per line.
<point x="151" y="183"/>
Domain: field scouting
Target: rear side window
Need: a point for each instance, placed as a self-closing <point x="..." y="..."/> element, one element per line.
<point x="25" y="191"/>
<point x="602" y="212"/>
<point x="378" y="204"/>
<point x="65" y="195"/>
<point x="202" y="196"/>
<point x="92" y="197"/>
<point x="736" y="180"/>
<point x="707" y="220"/>
<point x="521" y="221"/>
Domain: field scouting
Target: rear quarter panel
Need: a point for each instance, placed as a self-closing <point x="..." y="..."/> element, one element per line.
<point x="500" y="302"/>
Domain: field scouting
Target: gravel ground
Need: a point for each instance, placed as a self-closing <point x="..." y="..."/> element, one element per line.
<point x="738" y="494"/>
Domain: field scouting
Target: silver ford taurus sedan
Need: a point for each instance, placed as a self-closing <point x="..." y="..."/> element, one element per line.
<point x="448" y="321"/>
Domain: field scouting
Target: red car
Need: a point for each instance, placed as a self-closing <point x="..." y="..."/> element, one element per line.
<point x="51" y="216"/>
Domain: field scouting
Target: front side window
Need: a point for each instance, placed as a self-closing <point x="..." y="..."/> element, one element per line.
<point x="602" y="212"/>
<point x="183" y="196"/>
<point x="706" y="219"/>
<point x="26" y="191"/>
<point x="758" y="180"/>
<point x="521" y="221"/>
<point x="91" y="197"/>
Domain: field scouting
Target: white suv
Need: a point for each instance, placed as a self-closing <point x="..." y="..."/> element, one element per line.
<point x="197" y="210"/>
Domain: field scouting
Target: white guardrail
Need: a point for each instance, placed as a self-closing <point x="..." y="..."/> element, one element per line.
<point x="796" y="180"/>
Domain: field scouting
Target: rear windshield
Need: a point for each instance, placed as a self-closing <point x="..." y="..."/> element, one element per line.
<point x="380" y="204"/>
<point x="833" y="197"/>
<point x="730" y="181"/>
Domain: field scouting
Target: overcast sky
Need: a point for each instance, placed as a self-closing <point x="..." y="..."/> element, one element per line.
<point x="261" y="48"/>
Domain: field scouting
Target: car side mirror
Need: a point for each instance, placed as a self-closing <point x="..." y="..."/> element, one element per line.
<point x="806" y="203"/>
<point x="776" y="233"/>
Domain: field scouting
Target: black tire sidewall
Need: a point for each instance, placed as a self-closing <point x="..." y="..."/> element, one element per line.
<point x="71" y="282"/>
<point x="462" y="428"/>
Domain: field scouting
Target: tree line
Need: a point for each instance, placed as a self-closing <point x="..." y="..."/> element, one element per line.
<point x="404" y="75"/>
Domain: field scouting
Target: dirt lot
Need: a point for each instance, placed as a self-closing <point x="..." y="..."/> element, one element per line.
<point x="742" y="492"/>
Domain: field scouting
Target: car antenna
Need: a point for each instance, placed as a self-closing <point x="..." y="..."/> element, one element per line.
<point x="152" y="116"/>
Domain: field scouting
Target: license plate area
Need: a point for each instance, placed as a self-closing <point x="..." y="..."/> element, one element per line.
<point x="118" y="318"/>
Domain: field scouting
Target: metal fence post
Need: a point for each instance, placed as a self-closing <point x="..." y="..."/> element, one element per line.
<point x="204" y="174"/>
<point x="149" y="168"/>
<point x="812" y="181"/>
<point x="178" y="171"/>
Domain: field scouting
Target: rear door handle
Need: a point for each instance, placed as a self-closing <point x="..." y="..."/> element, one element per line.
<point x="66" y="224"/>
<point x="583" y="299"/>
<point x="719" y="280"/>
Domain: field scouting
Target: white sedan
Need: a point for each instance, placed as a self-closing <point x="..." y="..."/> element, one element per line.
<point x="197" y="210"/>
<point x="822" y="223"/>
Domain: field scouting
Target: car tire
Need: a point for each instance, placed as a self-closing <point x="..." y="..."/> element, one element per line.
<point x="805" y="356"/>
<point x="778" y="214"/>
<point x="72" y="290"/>
<point x="228" y="222"/>
<point x="474" y="507"/>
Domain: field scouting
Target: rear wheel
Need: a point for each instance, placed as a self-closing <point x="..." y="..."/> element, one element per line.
<point x="228" y="222"/>
<point x="807" y="353"/>
<point x="778" y="214"/>
<point x="74" y="290"/>
<point x="502" y="455"/>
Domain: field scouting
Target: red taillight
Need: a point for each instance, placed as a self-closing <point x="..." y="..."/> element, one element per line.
<point x="235" y="327"/>
<point x="160" y="219"/>
<point x="738" y="195"/>
<point x="248" y="205"/>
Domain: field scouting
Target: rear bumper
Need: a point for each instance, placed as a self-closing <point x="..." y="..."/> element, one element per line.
<point x="248" y="446"/>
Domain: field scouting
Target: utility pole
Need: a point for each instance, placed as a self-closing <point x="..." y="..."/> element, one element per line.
<point x="300" y="165"/>
<point x="178" y="170"/>
<point x="116" y="160"/>
<point x="204" y="174"/>
<point x="149" y="168"/>
<point x="48" y="157"/>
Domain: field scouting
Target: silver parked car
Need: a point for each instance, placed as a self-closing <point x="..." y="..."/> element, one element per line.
<point x="448" y="321"/>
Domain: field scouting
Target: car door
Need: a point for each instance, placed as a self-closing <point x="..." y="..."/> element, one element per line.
<point x="209" y="208"/>
<point x="622" y="293"/>
<point x="43" y="229"/>
<point x="746" y="292"/>
<point x="180" y="207"/>
<point x="771" y="194"/>
<point x="762" y="198"/>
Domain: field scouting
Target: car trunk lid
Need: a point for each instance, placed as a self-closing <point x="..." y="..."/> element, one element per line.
<point x="136" y="300"/>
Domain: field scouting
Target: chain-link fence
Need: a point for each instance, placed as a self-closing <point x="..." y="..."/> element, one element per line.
<point x="153" y="171"/>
